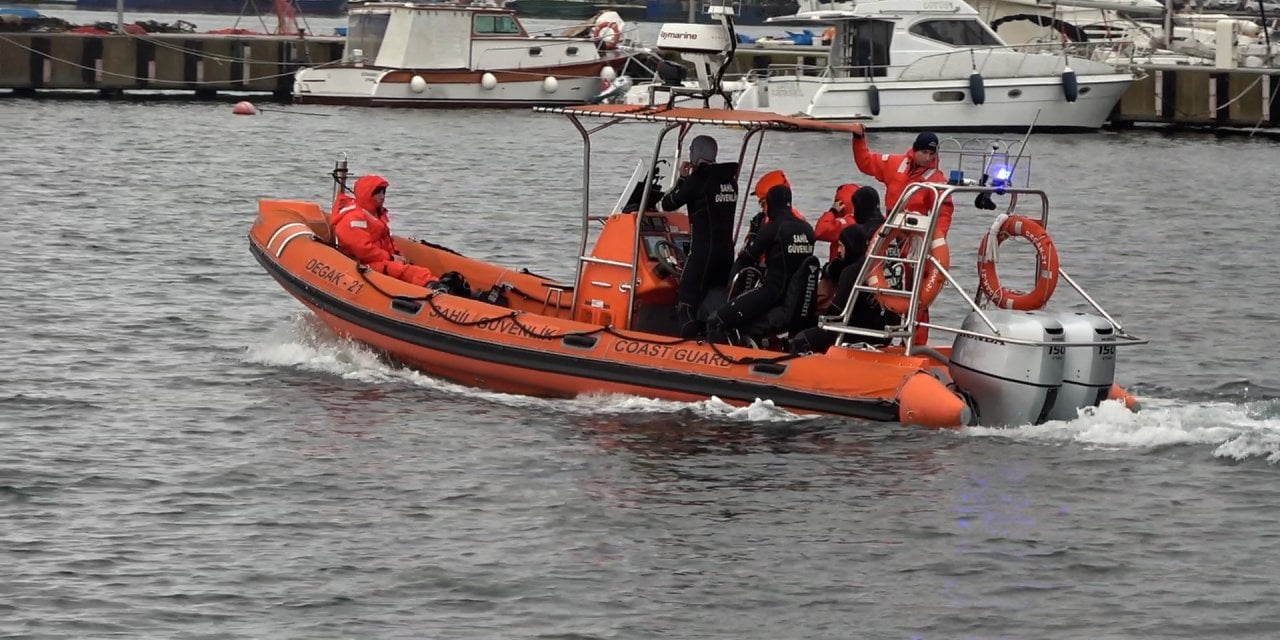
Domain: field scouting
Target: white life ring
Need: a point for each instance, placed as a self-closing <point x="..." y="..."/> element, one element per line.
<point x="607" y="41"/>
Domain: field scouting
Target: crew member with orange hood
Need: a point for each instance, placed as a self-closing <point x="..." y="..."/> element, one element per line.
<point x="763" y="185"/>
<point x="361" y="228"/>
<point x="896" y="171"/>
<point x="836" y="219"/>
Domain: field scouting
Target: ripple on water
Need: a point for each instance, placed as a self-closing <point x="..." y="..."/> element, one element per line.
<point x="187" y="453"/>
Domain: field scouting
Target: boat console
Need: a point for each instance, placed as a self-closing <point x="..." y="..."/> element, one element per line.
<point x="666" y="247"/>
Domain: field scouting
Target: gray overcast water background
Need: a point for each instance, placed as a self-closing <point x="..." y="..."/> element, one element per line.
<point x="186" y="453"/>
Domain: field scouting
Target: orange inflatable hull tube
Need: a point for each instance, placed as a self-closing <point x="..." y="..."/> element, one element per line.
<point x="926" y="401"/>
<point x="1130" y="401"/>
<point x="535" y="341"/>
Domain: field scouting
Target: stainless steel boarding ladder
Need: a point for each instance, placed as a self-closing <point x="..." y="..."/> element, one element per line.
<point x="902" y="229"/>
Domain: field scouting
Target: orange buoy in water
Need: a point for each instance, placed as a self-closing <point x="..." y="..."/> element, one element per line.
<point x="245" y="108"/>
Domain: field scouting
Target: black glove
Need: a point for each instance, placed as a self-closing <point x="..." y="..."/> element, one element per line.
<point x="438" y="287"/>
<point x="755" y="224"/>
<point x="984" y="201"/>
<point x="833" y="268"/>
<point x="675" y="188"/>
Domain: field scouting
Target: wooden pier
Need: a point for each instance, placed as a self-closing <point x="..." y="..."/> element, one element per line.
<point x="201" y="63"/>
<point x="206" y="64"/>
<point x="1192" y="96"/>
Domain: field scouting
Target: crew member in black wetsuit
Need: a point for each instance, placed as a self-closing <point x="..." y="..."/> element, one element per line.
<point x="709" y="191"/>
<point x="855" y="239"/>
<point x="784" y="242"/>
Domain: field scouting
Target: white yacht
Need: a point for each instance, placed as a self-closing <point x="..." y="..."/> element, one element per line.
<point x="1133" y="29"/>
<point x="406" y="54"/>
<point x="903" y="64"/>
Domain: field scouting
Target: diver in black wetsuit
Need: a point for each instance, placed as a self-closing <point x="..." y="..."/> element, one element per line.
<point x="709" y="191"/>
<point x="784" y="242"/>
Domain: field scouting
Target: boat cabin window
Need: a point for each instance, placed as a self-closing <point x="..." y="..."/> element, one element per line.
<point x="489" y="24"/>
<point x="864" y="47"/>
<point x="364" y="32"/>
<point x="961" y="33"/>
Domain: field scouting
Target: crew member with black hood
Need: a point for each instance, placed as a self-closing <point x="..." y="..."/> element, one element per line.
<point x="854" y="239"/>
<point x="852" y="252"/>
<point x="784" y="242"/>
<point x="709" y="191"/>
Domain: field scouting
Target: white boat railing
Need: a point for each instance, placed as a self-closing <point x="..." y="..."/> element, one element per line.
<point x="956" y="64"/>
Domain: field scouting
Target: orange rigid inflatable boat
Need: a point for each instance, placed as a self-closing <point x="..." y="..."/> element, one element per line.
<point x="613" y="329"/>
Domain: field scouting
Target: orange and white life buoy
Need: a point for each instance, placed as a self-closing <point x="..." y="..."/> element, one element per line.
<point x="933" y="278"/>
<point x="1046" y="264"/>
<point x="607" y="41"/>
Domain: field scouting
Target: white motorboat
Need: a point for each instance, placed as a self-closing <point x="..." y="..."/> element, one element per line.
<point x="406" y="54"/>
<point x="1133" y="29"/>
<point x="901" y="64"/>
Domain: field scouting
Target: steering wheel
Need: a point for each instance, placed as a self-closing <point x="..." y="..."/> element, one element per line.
<point x="669" y="258"/>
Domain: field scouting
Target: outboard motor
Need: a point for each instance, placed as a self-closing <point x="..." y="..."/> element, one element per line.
<point x="1010" y="384"/>
<point x="616" y="92"/>
<point x="1087" y="372"/>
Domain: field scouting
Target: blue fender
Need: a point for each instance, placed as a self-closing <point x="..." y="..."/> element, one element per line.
<point x="977" y="88"/>
<point x="1070" y="85"/>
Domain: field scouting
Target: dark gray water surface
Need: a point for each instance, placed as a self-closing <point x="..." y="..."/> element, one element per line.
<point x="185" y="453"/>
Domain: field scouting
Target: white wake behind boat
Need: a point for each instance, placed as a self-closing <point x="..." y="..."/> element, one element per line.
<point x="902" y="64"/>
<point x="407" y="54"/>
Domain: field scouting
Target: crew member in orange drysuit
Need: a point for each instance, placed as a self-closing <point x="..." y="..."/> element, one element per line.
<point x="896" y="171"/>
<point x="361" y="228"/>
<point x="835" y="219"/>
<point x="919" y="164"/>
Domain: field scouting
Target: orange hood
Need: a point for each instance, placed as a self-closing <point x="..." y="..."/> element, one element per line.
<point x="364" y="189"/>
<point x="770" y="180"/>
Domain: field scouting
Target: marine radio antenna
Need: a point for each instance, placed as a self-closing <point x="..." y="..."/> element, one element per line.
<point x="1022" y="146"/>
<point x="340" y="174"/>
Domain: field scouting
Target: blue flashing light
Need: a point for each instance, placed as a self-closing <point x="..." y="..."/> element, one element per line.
<point x="956" y="177"/>
<point x="1001" y="179"/>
